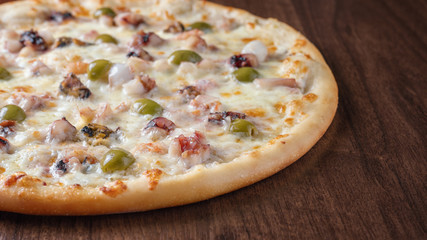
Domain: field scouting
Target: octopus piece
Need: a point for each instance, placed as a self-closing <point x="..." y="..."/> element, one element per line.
<point x="10" y="40"/>
<point x="191" y="150"/>
<point x="244" y="60"/>
<point x="119" y="74"/>
<point x="60" y="131"/>
<point x="226" y="24"/>
<point x="141" y="85"/>
<point x="206" y="102"/>
<point x="33" y="40"/>
<point x="90" y="36"/>
<point x="175" y="27"/>
<point x="38" y="68"/>
<point x="193" y="40"/>
<point x="143" y="39"/>
<point x="103" y="113"/>
<point x="60" y="17"/>
<point x="159" y="128"/>
<point x="138" y="65"/>
<point x="220" y="117"/>
<point x="5" y="145"/>
<point x="189" y="92"/>
<point x="7" y="61"/>
<point x="106" y="20"/>
<point x="127" y="19"/>
<point x="28" y="102"/>
<point x="97" y="131"/>
<point x="257" y="48"/>
<point x="139" y="53"/>
<point x="275" y="82"/>
<point x="7" y="127"/>
<point x="72" y="86"/>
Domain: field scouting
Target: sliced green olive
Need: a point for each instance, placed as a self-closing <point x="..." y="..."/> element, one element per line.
<point x="202" y="26"/>
<point x="98" y="70"/>
<point x="106" y="38"/>
<point x="105" y="11"/>
<point x="116" y="159"/>
<point x="184" y="56"/>
<point x="246" y="74"/>
<point x="243" y="127"/>
<point x="146" y="106"/>
<point x="12" y="112"/>
<point x="4" y="74"/>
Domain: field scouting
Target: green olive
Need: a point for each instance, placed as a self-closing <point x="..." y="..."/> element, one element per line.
<point x="116" y="159"/>
<point x="105" y="38"/>
<point x="98" y="70"/>
<point x="105" y="11"/>
<point x="4" y="74"/>
<point x="202" y="26"/>
<point x="12" y="112"/>
<point x="184" y="56"/>
<point x="146" y="106"/>
<point x="243" y="127"/>
<point x="246" y="74"/>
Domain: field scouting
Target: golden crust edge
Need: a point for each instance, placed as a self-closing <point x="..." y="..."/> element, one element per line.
<point x="199" y="184"/>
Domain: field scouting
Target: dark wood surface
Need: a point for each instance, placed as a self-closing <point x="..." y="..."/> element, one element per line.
<point x="365" y="179"/>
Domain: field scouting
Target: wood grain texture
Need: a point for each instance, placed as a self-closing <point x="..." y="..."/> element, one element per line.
<point x="365" y="179"/>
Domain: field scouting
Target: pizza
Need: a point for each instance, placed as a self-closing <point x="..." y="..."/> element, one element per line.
<point x="123" y="105"/>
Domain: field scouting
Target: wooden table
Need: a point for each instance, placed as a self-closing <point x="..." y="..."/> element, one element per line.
<point x="365" y="179"/>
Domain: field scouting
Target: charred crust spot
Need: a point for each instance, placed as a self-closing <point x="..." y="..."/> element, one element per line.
<point x="61" y="166"/>
<point x="33" y="39"/>
<point x="60" y="17"/>
<point x="96" y="130"/>
<point x="114" y="189"/>
<point x="218" y="117"/>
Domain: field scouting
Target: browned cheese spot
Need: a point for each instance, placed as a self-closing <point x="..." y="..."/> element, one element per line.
<point x="278" y="137"/>
<point x="29" y="181"/>
<point x="255" y="112"/>
<point x="2" y="170"/>
<point x="12" y="179"/>
<point x="295" y="107"/>
<point x="113" y="190"/>
<point x="246" y="40"/>
<point x="280" y="107"/>
<point x="153" y="176"/>
<point x="300" y="43"/>
<point x="289" y="121"/>
<point x="27" y="89"/>
<point x="311" y="97"/>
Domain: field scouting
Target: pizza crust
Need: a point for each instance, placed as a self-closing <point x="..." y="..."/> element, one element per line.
<point x="201" y="182"/>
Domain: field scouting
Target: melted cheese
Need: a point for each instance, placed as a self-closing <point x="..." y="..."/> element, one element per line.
<point x="36" y="157"/>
